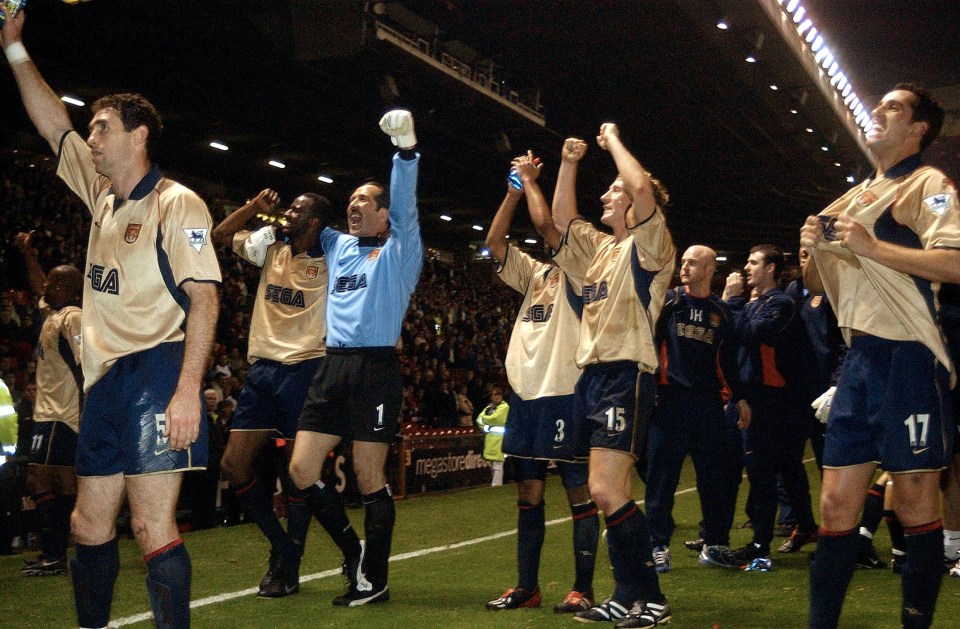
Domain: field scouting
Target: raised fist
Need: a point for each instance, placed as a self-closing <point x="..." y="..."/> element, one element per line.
<point x="398" y="124"/>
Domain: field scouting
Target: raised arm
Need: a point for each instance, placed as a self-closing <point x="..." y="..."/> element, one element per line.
<point x="500" y="226"/>
<point x="35" y="273"/>
<point x="264" y="202"/>
<point x="529" y="169"/>
<point x="46" y="110"/>
<point x="636" y="180"/>
<point x="565" y="194"/>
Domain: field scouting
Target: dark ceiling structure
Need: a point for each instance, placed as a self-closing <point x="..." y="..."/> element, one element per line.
<point x="303" y="82"/>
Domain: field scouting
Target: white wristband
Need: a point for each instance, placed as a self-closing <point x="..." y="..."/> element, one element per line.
<point x="16" y="53"/>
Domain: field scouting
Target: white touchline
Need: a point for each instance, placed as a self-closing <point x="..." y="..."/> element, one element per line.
<point x="220" y="598"/>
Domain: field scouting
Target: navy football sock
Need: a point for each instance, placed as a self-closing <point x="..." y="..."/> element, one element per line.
<point x="921" y="574"/>
<point x="378" y="527"/>
<point x="873" y="508"/>
<point x="830" y="574"/>
<point x="531" y="529"/>
<point x="45" y="506"/>
<point x="897" y="540"/>
<point x="257" y="501"/>
<point x="168" y="585"/>
<point x="586" y="531"/>
<point x="94" y="571"/>
<point x="326" y="505"/>
<point x="627" y="532"/>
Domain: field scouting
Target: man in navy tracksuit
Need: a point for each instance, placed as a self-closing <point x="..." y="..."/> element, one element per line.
<point x="693" y="331"/>
<point x="765" y="329"/>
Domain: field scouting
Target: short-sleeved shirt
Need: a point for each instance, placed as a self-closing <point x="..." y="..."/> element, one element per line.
<point x="59" y="377"/>
<point x="909" y="205"/>
<point x="540" y="357"/>
<point x="623" y="288"/>
<point x="289" y="315"/>
<point x="140" y="252"/>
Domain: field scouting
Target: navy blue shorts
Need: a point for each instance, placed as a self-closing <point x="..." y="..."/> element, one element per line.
<point x="53" y="443"/>
<point x="545" y="428"/>
<point x="272" y="396"/>
<point x="573" y="475"/>
<point x="617" y="401"/>
<point x="123" y="420"/>
<point x="892" y="407"/>
<point x="355" y="395"/>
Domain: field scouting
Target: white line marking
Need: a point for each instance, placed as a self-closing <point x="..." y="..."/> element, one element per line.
<point x="227" y="596"/>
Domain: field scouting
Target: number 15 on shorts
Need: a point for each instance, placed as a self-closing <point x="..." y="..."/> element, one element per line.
<point x="616" y="420"/>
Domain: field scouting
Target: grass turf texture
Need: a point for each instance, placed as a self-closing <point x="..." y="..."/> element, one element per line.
<point x="448" y="587"/>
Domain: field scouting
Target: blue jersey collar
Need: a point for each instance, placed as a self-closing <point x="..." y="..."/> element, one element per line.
<point x="904" y="167"/>
<point x="142" y="189"/>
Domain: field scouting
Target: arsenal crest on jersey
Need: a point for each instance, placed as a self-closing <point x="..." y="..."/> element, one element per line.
<point x="714" y="320"/>
<point x="866" y="199"/>
<point x="815" y="302"/>
<point x="132" y="233"/>
<point x="312" y="272"/>
<point x="374" y="254"/>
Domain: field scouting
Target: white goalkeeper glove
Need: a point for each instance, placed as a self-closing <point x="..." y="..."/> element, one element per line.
<point x="257" y="244"/>
<point x="398" y="124"/>
<point x="822" y="405"/>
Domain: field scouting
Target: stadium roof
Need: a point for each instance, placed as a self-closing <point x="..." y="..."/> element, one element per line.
<point x="303" y="83"/>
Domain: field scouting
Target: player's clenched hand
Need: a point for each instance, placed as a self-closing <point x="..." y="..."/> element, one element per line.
<point x="528" y="167"/>
<point x="607" y="130"/>
<point x="12" y="26"/>
<point x="811" y="233"/>
<point x="573" y="150"/>
<point x="24" y="244"/>
<point x="183" y="419"/>
<point x="398" y="124"/>
<point x="745" y="415"/>
<point x="267" y="199"/>
<point x="734" y="286"/>
<point x="853" y="235"/>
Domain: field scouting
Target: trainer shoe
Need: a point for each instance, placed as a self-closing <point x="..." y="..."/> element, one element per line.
<point x="867" y="558"/>
<point x="646" y="615"/>
<point x="607" y="611"/>
<point x="284" y="576"/>
<point x="354" y="598"/>
<point x="515" y="598"/>
<point x="45" y="568"/>
<point x="797" y="540"/>
<point x="720" y="556"/>
<point x="696" y="545"/>
<point x="574" y="602"/>
<point x="661" y="559"/>
<point x="33" y="560"/>
<point x="955" y="571"/>
<point x="273" y="569"/>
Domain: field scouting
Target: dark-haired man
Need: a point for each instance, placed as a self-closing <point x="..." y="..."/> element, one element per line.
<point x="765" y="329"/>
<point x="286" y="345"/>
<point x="150" y="307"/>
<point x="879" y="251"/>
<point x="355" y="395"/>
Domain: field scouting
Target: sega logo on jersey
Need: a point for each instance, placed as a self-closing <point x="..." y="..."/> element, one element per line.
<point x="538" y="313"/>
<point x="594" y="292"/>
<point x="284" y="295"/>
<point x="104" y="280"/>
<point x="197" y="237"/>
<point x="939" y="203"/>
<point x="348" y="283"/>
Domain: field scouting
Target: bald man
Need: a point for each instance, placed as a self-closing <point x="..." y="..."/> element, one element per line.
<point x="51" y="478"/>
<point x="694" y="330"/>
